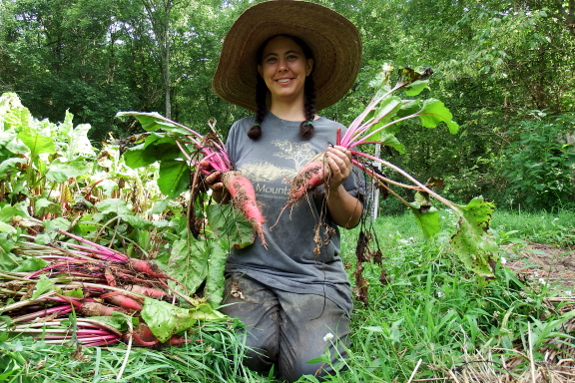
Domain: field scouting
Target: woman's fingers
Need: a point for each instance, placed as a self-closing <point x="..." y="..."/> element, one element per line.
<point x="339" y="159"/>
<point x="214" y="181"/>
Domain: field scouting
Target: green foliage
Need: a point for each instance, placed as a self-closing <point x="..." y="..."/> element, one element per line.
<point x="430" y="309"/>
<point x="540" y="163"/>
<point x="472" y="242"/>
<point x="166" y="320"/>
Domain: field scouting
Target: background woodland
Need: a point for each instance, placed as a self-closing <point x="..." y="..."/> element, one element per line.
<point x="504" y="68"/>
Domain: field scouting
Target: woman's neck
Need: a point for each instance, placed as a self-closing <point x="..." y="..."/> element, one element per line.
<point x="287" y="112"/>
<point x="288" y="109"/>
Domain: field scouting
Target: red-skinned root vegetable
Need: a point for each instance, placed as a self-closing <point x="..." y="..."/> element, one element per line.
<point x="244" y="198"/>
<point x="313" y="174"/>
<point x="94" y="309"/>
<point x="123" y="301"/>
<point x="147" y="291"/>
<point x="143" y="337"/>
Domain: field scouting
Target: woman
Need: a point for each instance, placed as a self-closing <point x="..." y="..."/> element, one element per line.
<point x="284" y="60"/>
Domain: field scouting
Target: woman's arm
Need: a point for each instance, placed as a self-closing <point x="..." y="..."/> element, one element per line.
<point x="344" y="208"/>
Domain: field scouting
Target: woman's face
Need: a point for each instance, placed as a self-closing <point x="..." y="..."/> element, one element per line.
<point x="284" y="68"/>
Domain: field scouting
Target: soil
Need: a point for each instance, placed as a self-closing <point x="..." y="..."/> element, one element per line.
<point x="543" y="263"/>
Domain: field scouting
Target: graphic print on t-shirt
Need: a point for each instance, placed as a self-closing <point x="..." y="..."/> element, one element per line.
<point x="271" y="178"/>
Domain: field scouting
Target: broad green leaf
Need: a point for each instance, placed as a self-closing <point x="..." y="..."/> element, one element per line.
<point x="215" y="279"/>
<point x="137" y="156"/>
<point x="42" y="203"/>
<point x="473" y="243"/>
<point x="8" y="212"/>
<point x="113" y="205"/>
<point x="16" y="146"/>
<point x="118" y="321"/>
<point x="427" y="218"/>
<point x="174" y="177"/>
<point x="37" y="143"/>
<point x="165" y="319"/>
<point x="6" y="228"/>
<point x="416" y="87"/>
<point x="387" y="109"/>
<point x="391" y="140"/>
<point x="78" y="293"/>
<point x="189" y="262"/>
<point x="60" y="172"/>
<point x="51" y="230"/>
<point x="154" y="148"/>
<point x="9" y="165"/>
<point x="406" y="76"/>
<point x="43" y="285"/>
<point x="435" y="112"/>
<point x="78" y="142"/>
<point x="137" y="222"/>
<point x="153" y="121"/>
<point x="8" y="261"/>
<point x="31" y="264"/>
<point x="230" y="226"/>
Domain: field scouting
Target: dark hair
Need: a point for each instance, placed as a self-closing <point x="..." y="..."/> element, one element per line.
<point x="306" y="128"/>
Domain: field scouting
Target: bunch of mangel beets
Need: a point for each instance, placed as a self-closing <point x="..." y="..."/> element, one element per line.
<point x="91" y="280"/>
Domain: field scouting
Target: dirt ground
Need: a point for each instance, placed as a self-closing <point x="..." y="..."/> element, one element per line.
<point x="544" y="263"/>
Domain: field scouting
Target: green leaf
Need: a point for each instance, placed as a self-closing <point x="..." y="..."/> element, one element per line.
<point x="37" y="143"/>
<point x="215" y="280"/>
<point x="390" y="139"/>
<point x="435" y="112"/>
<point x="174" y="177"/>
<point x="416" y="87"/>
<point x="119" y="321"/>
<point x="165" y="319"/>
<point x="230" y="226"/>
<point x="409" y="107"/>
<point x="153" y="121"/>
<point x="9" y="165"/>
<point x="137" y="222"/>
<point x="8" y="212"/>
<point x="189" y="262"/>
<point x="78" y="142"/>
<point x="78" y="293"/>
<point x="43" y="285"/>
<point x="60" y="172"/>
<point x="154" y="148"/>
<point x="6" y="228"/>
<point x="427" y="218"/>
<point x="387" y="108"/>
<point x="31" y="264"/>
<point x="113" y="205"/>
<point x="473" y="243"/>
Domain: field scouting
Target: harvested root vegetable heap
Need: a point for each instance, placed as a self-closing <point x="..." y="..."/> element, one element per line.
<point x="112" y="297"/>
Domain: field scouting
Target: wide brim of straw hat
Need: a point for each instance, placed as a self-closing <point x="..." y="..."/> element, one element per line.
<point x="333" y="39"/>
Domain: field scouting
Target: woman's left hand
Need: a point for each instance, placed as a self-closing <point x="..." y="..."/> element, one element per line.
<point x="339" y="161"/>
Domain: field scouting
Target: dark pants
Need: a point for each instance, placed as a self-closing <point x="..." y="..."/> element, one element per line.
<point x="286" y="329"/>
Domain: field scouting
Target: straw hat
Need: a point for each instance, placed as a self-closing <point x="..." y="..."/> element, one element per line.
<point x="333" y="39"/>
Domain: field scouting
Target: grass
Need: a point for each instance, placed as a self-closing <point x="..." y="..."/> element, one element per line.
<point x="431" y="319"/>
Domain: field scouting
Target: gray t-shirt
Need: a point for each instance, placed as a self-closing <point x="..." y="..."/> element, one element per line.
<point x="289" y="262"/>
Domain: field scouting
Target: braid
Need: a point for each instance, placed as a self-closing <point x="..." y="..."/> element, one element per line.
<point x="306" y="128"/>
<point x="255" y="131"/>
